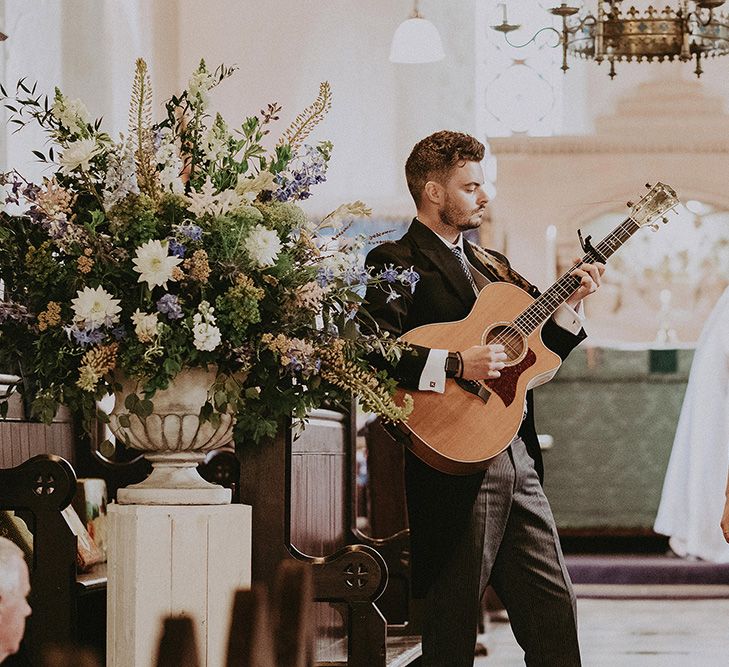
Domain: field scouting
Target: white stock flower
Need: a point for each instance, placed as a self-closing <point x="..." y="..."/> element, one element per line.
<point x="78" y="154"/>
<point x="153" y="263"/>
<point x="200" y="84"/>
<point x="72" y="114"/>
<point x="168" y="157"/>
<point x="121" y="174"/>
<point x="263" y="246"/>
<point x="94" y="306"/>
<point x="206" y="334"/>
<point x="145" y="325"/>
<point x="215" y="142"/>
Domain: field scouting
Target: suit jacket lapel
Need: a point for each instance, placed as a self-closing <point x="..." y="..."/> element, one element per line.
<point x="443" y="258"/>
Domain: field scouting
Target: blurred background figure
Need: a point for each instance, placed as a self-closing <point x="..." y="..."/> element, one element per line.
<point x="14" y="589"/>
<point x="725" y="516"/>
<point x="693" y="495"/>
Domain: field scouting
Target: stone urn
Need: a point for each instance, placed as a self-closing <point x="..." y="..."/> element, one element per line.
<point x="173" y="439"/>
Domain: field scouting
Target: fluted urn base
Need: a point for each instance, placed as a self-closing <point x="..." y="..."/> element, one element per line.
<point x="174" y="480"/>
<point x="173" y="439"/>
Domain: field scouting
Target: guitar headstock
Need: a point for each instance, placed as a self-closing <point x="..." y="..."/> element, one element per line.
<point x="660" y="199"/>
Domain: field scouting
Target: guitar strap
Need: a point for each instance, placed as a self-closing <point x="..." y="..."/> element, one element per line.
<point x="500" y="268"/>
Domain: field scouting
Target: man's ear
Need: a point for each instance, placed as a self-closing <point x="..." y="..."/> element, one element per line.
<point x="434" y="192"/>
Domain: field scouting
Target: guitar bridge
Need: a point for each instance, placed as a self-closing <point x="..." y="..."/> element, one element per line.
<point x="475" y="388"/>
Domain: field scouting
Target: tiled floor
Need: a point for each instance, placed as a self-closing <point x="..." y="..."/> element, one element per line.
<point x="635" y="633"/>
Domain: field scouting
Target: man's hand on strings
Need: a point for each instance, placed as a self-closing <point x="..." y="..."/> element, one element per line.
<point x="483" y="362"/>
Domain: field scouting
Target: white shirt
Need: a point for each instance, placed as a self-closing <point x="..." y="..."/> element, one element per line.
<point x="433" y="376"/>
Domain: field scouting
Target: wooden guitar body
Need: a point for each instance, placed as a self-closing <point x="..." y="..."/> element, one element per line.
<point x="459" y="431"/>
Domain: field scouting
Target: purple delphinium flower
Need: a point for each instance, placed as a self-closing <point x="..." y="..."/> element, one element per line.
<point x="410" y="278"/>
<point x="297" y="184"/>
<point x="356" y="275"/>
<point x="295" y="365"/>
<point x="193" y="232"/>
<point x="389" y="274"/>
<point x="169" y="305"/>
<point x="56" y="228"/>
<point x="18" y="187"/>
<point x="175" y="247"/>
<point x="86" y="337"/>
<point x="324" y="276"/>
<point x="11" y="311"/>
<point x="350" y="276"/>
<point x="119" y="332"/>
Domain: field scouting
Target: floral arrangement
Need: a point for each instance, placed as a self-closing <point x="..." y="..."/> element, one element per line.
<point x="182" y="245"/>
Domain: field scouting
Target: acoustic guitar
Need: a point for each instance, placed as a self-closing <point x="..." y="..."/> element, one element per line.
<point x="457" y="432"/>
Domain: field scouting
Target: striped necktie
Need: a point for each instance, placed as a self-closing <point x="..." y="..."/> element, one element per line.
<point x="462" y="261"/>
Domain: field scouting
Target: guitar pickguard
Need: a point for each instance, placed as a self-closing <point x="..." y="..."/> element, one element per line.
<point x="505" y="386"/>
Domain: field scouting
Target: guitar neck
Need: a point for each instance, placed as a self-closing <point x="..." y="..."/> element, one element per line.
<point x="547" y="303"/>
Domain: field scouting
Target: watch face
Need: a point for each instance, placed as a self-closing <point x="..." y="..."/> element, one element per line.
<point x="451" y="364"/>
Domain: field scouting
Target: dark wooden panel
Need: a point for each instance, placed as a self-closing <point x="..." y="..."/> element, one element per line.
<point x="20" y="441"/>
<point x="319" y="485"/>
<point x="319" y="469"/>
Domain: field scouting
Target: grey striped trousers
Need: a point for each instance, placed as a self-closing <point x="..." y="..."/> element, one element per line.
<point x="512" y="544"/>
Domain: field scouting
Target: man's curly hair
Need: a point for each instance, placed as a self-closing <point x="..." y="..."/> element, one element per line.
<point x="433" y="159"/>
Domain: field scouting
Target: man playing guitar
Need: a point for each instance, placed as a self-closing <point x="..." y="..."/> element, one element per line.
<point x="488" y="527"/>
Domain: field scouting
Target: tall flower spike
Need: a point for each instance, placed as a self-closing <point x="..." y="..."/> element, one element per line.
<point x="140" y="129"/>
<point x="309" y="118"/>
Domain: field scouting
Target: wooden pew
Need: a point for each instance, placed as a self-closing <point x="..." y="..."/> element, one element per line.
<point x="178" y="643"/>
<point x="38" y="490"/>
<point x="250" y="642"/>
<point x="287" y="481"/>
<point x="278" y="633"/>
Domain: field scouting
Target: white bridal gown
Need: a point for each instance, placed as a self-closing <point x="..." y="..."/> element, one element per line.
<point x="693" y="491"/>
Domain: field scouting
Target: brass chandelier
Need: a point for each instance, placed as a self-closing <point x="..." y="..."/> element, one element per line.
<point x="691" y="30"/>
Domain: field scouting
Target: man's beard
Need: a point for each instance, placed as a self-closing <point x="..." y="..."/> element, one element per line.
<point x="455" y="218"/>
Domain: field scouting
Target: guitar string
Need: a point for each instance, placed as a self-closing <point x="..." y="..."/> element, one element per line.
<point x="508" y="338"/>
<point x="536" y="313"/>
<point x="511" y="338"/>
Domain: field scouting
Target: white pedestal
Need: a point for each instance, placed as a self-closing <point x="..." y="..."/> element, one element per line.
<point x="170" y="560"/>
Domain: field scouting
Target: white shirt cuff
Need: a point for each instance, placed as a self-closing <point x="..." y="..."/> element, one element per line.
<point x="433" y="376"/>
<point x="568" y="318"/>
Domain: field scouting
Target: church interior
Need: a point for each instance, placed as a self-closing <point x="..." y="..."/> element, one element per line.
<point x="296" y="549"/>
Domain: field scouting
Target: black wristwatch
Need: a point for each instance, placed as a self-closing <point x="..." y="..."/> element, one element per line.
<point x="452" y="365"/>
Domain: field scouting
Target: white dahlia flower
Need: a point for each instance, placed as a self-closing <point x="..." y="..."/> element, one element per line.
<point x="78" y="154"/>
<point x="263" y="246"/>
<point x="153" y="263"/>
<point x="94" y="306"/>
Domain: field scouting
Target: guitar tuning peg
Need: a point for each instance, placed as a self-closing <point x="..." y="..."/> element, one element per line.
<point x="655" y="227"/>
<point x="630" y="204"/>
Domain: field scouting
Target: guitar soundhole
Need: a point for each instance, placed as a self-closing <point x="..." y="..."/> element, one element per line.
<point x="510" y="338"/>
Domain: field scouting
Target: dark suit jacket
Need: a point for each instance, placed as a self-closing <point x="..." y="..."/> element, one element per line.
<point x="439" y="505"/>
